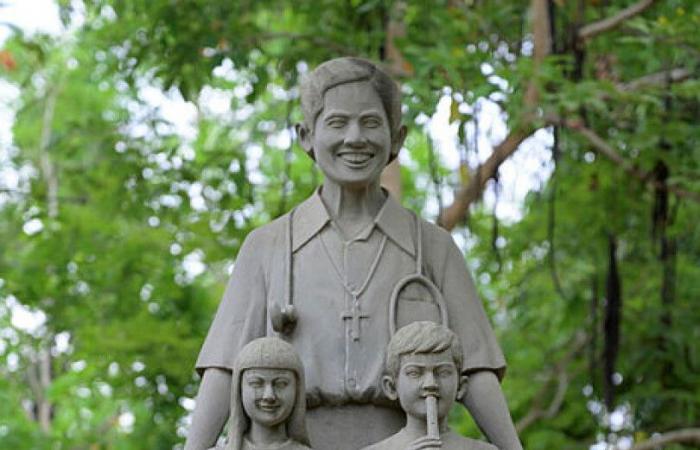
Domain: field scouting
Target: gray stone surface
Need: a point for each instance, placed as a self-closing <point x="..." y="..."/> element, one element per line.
<point x="422" y="373"/>
<point x="268" y="405"/>
<point x="323" y="277"/>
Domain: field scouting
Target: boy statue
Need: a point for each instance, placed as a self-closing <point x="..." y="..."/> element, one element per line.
<point x="423" y="360"/>
<point x="323" y="275"/>
<point x="268" y="404"/>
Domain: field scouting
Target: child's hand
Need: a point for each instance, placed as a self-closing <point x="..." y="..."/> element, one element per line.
<point x="425" y="443"/>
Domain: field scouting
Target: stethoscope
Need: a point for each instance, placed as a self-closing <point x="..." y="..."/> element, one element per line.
<point x="284" y="317"/>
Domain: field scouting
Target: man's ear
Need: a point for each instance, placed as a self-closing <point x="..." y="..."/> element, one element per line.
<point x="462" y="389"/>
<point x="304" y="135"/>
<point x="389" y="387"/>
<point x="397" y="142"/>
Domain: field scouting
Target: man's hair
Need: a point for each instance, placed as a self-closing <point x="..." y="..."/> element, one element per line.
<point x="420" y="338"/>
<point x="349" y="70"/>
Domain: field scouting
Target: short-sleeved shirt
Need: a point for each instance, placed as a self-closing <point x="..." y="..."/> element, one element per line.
<point x="343" y="366"/>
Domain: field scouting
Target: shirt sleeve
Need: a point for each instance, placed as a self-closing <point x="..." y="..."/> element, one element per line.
<point x="466" y="316"/>
<point x="241" y="316"/>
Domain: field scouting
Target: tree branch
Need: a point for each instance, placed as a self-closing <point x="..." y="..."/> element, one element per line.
<point x="44" y="406"/>
<point x="551" y="225"/>
<point x="35" y="387"/>
<point x="601" y="26"/>
<point x="313" y="38"/>
<point x="542" y="46"/>
<point x="687" y="435"/>
<point x="48" y="168"/>
<point x="605" y="149"/>
<point x="397" y="67"/>
<point x="656" y="79"/>
<point x="468" y="194"/>
<point x="558" y="372"/>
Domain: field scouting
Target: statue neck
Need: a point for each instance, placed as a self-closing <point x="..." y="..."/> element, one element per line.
<point x="352" y="209"/>
<point x="263" y="436"/>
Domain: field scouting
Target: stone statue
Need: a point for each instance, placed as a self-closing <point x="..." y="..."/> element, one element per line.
<point x="423" y="362"/>
<point x="324" y="276"/>
<point x="268" y="405"/>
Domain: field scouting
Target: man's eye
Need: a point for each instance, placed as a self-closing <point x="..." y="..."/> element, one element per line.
<point x="336" y="123"/>
<point x="372" y="122"/>
<point x="255" y="383"/>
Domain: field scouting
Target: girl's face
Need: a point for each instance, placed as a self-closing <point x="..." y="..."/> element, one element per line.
<point x="268" y="395"/>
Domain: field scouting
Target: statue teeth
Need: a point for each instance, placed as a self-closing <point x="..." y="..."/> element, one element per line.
<point x="356" y="158"/>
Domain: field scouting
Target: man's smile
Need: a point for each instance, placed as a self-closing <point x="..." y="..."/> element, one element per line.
<point x="356" y="158"/>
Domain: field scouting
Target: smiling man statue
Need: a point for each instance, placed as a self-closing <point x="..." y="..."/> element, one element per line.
<point x="324" y="276"/>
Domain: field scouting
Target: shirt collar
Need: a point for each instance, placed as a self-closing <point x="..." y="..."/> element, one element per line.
<point x="308" y="219"/>
<point x="397" y="223"/>
<point x="393" y="220"/>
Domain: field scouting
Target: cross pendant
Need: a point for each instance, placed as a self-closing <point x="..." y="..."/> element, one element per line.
<point x="356" y="316"/>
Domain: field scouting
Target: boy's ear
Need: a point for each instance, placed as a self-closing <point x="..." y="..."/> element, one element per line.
<point x="389" y="387"/>
<point x="304" y="135"/>
<point x="462" y="389"/>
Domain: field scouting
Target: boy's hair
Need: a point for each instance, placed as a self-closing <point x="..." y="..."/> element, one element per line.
<point x="349" y="70"/>
<point x="420" y="338"/>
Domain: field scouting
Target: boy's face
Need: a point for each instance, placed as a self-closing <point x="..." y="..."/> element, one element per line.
<point x="268" y="395"/>
<point x="423" y="375"/>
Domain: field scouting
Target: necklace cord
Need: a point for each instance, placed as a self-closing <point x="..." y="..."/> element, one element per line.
<point x="373" y="268"/>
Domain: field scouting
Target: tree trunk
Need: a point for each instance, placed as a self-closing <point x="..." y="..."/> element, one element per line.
<point x="391" y="176"/>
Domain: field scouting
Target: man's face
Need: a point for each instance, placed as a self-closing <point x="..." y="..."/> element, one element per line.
<point x="427" y="374"/>
<point x="352" y="139"/>
<point x="268" y="395"/>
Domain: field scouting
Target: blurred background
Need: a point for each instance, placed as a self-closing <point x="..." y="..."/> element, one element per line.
<point x="141" y="140"/>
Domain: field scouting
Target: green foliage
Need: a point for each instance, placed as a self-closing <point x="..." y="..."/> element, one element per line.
<point x="148" y="218"/>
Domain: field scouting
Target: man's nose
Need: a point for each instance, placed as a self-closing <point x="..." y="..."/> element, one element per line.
<point x="354" y="136"/>
<point x="268" y="392"/>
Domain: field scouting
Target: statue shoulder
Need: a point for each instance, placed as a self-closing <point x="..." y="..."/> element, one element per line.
<point x="458" y="442"/>
<point x="265" y="237"/>
<point x="473" y="444"/>
<point x="439" y="248"/>
<point x="435" y="234"/>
